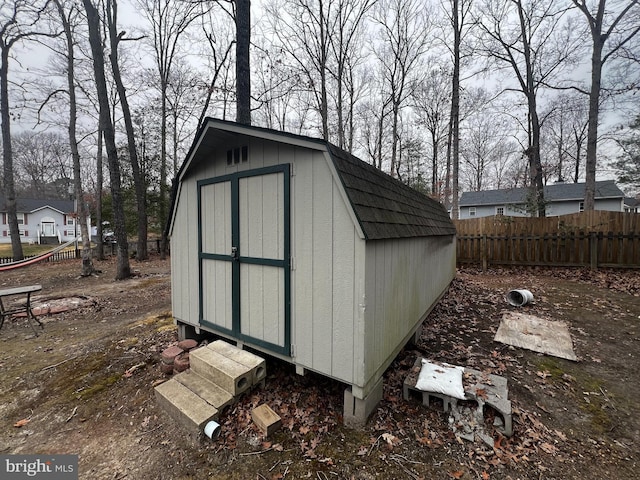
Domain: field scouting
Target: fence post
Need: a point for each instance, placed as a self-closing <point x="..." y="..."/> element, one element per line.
<point x="593" y="249"/>
<point x="483" y="252"/>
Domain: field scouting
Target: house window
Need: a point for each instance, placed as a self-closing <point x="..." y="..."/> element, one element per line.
<point x="20" y="218"/>
<point x="472" y="211"/>
<point x="499" y="210"/>
<point x="581" y="207"/>
<point x="69" y="220"/>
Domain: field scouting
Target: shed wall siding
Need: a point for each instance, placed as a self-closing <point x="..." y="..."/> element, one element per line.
<point x="328" y="258"/>
<point x="404" y="278"/>
<point x="184" y="256"/>
<point x="327" y="278"/>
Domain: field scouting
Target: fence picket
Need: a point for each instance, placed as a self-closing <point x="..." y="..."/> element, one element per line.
<point x="595" y="239"/>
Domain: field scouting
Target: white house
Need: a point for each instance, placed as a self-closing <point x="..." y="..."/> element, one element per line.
<point x="561" y="198"/>
<point x="296" y="248"/>
<point x="42" y="221"/>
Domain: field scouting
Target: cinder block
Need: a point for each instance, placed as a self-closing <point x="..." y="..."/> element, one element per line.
<point x="266" y="419"/>
<point x="232" y="376"/>
<point x="208" y="391"/>
<point x="358" y="410"/>
<point x="255" y="363"/>
<point x="184" y="406"/>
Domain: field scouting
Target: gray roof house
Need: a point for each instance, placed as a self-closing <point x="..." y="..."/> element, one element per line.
<point x="561" y="198"/>
<point x="295" y="248"/>
<point x="41" y="220"/>
<point x="632" y="204"/>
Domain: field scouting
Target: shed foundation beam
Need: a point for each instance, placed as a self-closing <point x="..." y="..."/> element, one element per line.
<point x="357" y="410"/>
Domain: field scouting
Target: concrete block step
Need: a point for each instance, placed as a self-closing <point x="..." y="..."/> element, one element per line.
<point x="232" y="376"/>
<point x="255" y="363"/>
<point x="213" y="394"/>
<point x="184" y="406"/>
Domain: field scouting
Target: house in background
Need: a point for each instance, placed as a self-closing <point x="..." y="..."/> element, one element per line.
<point x="561" y="198"/>
<point x="42" y="221"/>
<point x="632" y="204"/>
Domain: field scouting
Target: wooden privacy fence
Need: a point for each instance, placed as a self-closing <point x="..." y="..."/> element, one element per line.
<point x="571" y="240"/>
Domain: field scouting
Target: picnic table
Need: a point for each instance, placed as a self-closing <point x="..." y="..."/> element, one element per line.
<point x="13" y="309"/>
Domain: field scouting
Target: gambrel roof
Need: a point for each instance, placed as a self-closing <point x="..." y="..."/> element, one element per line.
<point x="558" y="192"/>
<point x="384" y="206"/>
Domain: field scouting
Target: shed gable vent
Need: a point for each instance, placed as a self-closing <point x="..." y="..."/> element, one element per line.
<point x="238" y="155"/>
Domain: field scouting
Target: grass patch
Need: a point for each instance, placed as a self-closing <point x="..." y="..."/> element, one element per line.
<point x="551" y="366"/>
<point x="100" y="385"/>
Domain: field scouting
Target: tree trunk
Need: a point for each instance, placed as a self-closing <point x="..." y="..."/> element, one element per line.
<point x="243" y="72"/>
<point x="123" y="269"/>
<point x="9" y="184"/>
<point x="81" y="207"/>
<point x="164" y="240"/>
<point x="592" y="132"/>
<point x="99" y="186"/>
<point x="455" y="111"/>
<point x="138" y="178"/>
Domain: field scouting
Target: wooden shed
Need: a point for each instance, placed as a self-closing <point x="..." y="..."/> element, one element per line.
<point x="294" y="247"/>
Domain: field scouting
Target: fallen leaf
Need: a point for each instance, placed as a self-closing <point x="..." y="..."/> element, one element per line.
<point x="21" y="423"/>
<point x="456" y="474"/>
<point x="481" y="392"/>
<point x="363" y="451"/>
<point x="390" y="438"/>
<point x="485" y="475"/>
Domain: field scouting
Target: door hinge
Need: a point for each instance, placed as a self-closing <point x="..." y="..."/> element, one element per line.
<point x="292" y="263"/>
<point x="292" y="350"/>
<point x="292" y="169"/>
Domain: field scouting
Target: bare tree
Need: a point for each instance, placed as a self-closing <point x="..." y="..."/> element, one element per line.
<point x="140" y="185"/>
<point x="218" y="57"/>
<point x="69" y="18"/>
<point x="303" y="34"/>
<point x="431" y="100"/>
<point x="169" y="21"/>
<point x="123" y="269"/>
<point x="41" y="166"/>
<point x="347" y="26"/>
<point x="567" y="127"/>
<point x="458" y="14"/>
<point x="613" y="28"/>
<point x="18" y="19"/>
<point x="535" y="46"/>
<point x="485" y="150"/>
<point x="403" y="28"/>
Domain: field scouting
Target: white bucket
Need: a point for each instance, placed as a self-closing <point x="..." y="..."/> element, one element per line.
<point x="519" y="298"/>
<point x="212" y="430"/>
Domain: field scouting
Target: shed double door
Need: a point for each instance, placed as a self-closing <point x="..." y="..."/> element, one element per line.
<point x="244" y="256"/>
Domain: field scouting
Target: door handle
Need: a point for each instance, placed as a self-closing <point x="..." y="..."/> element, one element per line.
<point x="234" y="253"/>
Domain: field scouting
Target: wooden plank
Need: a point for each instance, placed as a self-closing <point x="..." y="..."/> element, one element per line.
<point x="266" y="419"/>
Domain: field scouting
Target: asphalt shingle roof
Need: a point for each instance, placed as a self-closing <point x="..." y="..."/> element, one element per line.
<point x="556" y="192"/>
<point x="386" y="207"/>
<point x="28" y="205"/>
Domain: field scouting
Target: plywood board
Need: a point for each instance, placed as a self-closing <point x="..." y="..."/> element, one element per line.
<point x="533" y="333"/>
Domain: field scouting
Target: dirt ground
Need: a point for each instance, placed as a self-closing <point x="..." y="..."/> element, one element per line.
<point x="85" y="386"/>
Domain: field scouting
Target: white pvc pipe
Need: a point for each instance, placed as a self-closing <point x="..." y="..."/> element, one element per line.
<point x="519" y="298"/>
<point x="212" y="429"/>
